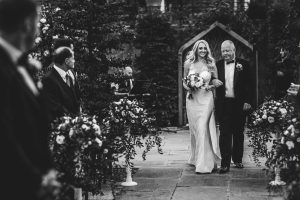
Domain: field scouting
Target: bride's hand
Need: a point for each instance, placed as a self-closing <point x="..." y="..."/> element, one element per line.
<point x="217" y="82"/>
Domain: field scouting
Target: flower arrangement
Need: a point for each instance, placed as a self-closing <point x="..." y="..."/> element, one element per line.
<point x="197" y="81"/>
<point x="266" y="123"/>
<point x="79" y="151"/>
<point x="285" y="153"/>
<point x="129" y="125"/>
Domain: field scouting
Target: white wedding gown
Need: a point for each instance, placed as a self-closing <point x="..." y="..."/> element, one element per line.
<point x="204" y="147"/>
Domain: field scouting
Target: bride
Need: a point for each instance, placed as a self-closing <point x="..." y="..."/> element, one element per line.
<point x="204" y="147"/>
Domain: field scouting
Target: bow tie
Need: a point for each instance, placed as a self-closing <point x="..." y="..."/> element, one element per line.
<point x="228" y="62"/>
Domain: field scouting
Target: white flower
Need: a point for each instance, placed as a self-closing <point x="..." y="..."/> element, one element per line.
<point x="271" y="120"/>
<point x="55" y="36"/>
<point x="264" y="116"/>
<point x="123" y="113"/>
<point x="38" y="40"/>
<point x="298" y="140"/>
<point x="46" y="53"/>
<point x="57" y="9"/>
<point x="43" y="20"/>
<point x="105" y="151"/>
<point x="71" y="132"/>
<point x="193" y="83"/>
<point x="290" y="127"/>
<point x="286" y="132"/>
<point x="85" y="127"/>
<point x="294" y="120"/>
<point x="290" y="144"/>
<point x="198" y="84"/>
<point x="239" y="67"/>
<point x="282" y="140"/>
<point x="89" y="142"/>
<point x="99" y="142"/>
<point x="97" y="129"/>
<point x="60" y="139"/>
<point x="283" y="111"/>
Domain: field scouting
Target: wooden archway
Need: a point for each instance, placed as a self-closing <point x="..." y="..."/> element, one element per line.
<point x="214" y="35"/>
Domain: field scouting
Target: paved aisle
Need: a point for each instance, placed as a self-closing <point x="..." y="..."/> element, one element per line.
<point x="167" y="176"/>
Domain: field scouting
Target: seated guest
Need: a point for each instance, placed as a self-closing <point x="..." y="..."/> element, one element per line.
<point x="60" y="86"/>
<point x="127" y="85"/>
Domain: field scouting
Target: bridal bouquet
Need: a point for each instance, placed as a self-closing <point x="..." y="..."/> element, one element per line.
<point x="197" y="81"/>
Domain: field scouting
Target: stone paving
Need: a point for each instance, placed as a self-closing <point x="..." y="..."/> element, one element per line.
<point x="169" y="177"/>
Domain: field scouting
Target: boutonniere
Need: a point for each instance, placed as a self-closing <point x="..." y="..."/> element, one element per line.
<point x="239" y="67"/>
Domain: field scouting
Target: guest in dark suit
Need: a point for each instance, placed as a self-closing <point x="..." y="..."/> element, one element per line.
<point x="60" y="86"/>
<point x="61" y="42"/>
<point x="284" y="73"/>
<point x="26" y="160"/>
<point x="234" y="99"/>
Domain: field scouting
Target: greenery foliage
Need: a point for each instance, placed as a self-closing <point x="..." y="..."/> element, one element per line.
<point x="157" y="62"/>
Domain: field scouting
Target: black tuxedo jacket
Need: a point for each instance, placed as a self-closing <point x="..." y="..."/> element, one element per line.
<point x="244" y="87"/>
<point x="24" y="134"/>
<point x="61" y="98"/>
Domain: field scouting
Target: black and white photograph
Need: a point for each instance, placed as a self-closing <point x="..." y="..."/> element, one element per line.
<point x="150" y="99"/>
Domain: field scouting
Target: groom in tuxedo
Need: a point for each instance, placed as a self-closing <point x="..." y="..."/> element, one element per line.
<point x="234" y="100"/>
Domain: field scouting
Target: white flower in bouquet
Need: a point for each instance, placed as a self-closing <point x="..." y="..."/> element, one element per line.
<point x="290" y="144"/>
<point x="264" y="117"/>
<point x="71" y="132"/>
<point x="283" y="111"/>
<point x="271" y="120"/>
<point x="193" y="83"/>
<point x="60" y="139"/>
<point x="206" y="76"/>
<point x="298" y="140"/>
<point x="116" y="120"/>
<point x="99" y="142"/>
<point x="43" y="20"/>
<point x="97" y="129"/>
<point x="123" y="113"/>
<point x="286" y="132"/>
<point x="294" y="120"/>
<point x="105" y="151"/>
<point x="85" y="127"/>
<point x="89" y="142"/>
<point x="282" y="140"/>
<point x="198" y="84"/>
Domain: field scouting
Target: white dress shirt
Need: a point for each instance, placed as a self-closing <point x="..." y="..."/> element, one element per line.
<point x="15" y="54"/>
<point x="229" y="77"/>
<point x="63" y="74"/>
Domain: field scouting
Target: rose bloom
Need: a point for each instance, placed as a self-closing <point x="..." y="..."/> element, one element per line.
<point x="99" y="142"/>
<point x="290" y="144"/>
<point x="271" y="120"/>
<point x="60" y="139"/>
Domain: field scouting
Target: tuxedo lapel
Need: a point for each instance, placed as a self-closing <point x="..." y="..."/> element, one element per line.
<point x="222" y="72"/>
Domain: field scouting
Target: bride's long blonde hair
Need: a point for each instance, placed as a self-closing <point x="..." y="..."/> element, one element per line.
<point x="194" y="56"/>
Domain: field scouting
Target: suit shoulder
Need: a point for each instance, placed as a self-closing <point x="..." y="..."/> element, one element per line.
<point x="219" y="63"/>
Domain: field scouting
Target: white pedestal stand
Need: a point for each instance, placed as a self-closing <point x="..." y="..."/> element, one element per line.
<point x="277" y="180"/>
<point x="77" y="193"/>
<point x="129" y="181"/>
